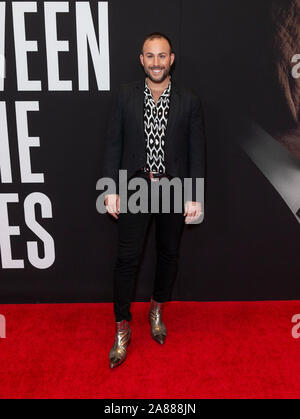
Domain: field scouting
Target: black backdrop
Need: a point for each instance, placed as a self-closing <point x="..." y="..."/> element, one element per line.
<point x="247" y="248"/>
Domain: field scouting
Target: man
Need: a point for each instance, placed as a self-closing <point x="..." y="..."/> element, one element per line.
<point x="156" y="131"/>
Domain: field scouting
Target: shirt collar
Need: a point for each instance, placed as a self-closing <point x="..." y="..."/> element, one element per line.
<point x="165" y="93"/>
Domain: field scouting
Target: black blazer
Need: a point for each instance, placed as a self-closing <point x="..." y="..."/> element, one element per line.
<point x="184" y="139"/>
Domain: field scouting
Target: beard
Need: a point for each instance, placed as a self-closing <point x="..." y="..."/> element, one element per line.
<point x="163" y="76"/>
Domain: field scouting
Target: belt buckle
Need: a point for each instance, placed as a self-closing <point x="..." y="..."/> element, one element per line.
<point x="153" y="179"/>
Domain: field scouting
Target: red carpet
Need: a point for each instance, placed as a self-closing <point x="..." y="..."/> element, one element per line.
<point x="213" y="350"/>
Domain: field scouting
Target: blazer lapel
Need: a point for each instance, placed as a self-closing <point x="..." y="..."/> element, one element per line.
<point x="139" y="106"/>
<point x="173" y="109"/>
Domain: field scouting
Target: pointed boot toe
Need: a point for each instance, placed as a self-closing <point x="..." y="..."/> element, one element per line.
<point x="115" y="361"/>
<point x="159" y="338"/>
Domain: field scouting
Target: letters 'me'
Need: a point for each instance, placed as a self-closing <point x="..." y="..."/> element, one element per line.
<point x="25" y="142"/>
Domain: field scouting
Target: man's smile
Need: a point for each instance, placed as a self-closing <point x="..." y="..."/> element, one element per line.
<point x="156" y="71"/>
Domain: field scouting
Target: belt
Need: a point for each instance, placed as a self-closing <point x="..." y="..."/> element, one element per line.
<point x="154" y="176"/>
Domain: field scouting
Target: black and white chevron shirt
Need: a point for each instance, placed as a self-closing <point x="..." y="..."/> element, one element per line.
<point x="155" y="124"/>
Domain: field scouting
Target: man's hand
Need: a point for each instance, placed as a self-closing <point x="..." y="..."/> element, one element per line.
<point x="192" y="211"/>
<point x="112" y="204"/>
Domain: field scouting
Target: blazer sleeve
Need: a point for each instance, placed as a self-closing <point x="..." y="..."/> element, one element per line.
<point x="197" y="144"/>
<point x="114" y="140"/>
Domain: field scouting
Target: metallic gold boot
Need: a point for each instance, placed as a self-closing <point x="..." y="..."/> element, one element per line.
<point x="158" y="328"/>
<point x="118" y="351"/>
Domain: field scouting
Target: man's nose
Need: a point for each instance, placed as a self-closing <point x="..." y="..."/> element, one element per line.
<point x="156" y="61"/>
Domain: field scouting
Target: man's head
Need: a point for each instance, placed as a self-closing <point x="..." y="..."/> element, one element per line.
<point x="157" y="56"/>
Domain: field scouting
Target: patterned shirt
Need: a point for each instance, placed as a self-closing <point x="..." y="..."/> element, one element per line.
<point x="155" y="124"/>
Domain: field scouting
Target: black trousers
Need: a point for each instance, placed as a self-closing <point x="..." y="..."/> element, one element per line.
<point x="132" y="229"/>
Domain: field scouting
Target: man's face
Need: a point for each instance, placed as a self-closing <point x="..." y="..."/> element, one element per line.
<point x="156" y="59"/>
